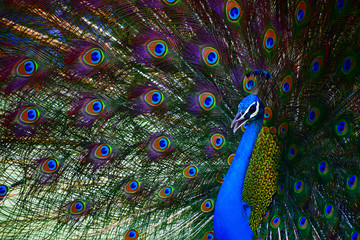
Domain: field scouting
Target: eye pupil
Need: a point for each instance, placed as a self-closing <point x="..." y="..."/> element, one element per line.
<point x="252" y="109"/>
<point x="192" y="171"/>
<point x="95" y="56"/>
<point x="207" y="204"/>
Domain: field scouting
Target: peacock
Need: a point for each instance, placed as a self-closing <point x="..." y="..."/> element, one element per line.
<point x="180" y="119"/>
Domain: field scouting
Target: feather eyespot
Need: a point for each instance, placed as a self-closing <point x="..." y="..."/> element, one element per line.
<point x="171" y="2"/>
<point x="132" y="186"/>
<point x="342" y="128"/>
<point x="230" y="158"/>
<point x="103" y="151"/>
<point x="93" y="57"/>
<point x="275" y="222"/>
<point x="281" y="188"/>
<point x="352" y="183"/>
<point x="355" y="236"/>
<point x="293" y="151"/>
<point x="77" y="207"/>
<point x="269" y="40"/>
<point x="266" y="216"/>
<point x="207" y="205"/>
<point x="300" y="13"/>
<point x="190" y="171"/>
<point x="286" y="85"/>
<point x="154" y="98"/>
<point x="50" y="165"/>
<point x="316" y="65"/>
<point x="244" y="126"/>
<point x="29" y="115"/>
<point x="259" y="238"/>
<point x="166" y="192"/>
<point x="329" y="211"/>
<point x="249" y="82"/>
<point x="26" y="68"/>
<point x="323" y="168"/>
<point x="161" y="144"/>
<point x="220" y="177"/>
<point x="208" y="236"/>
<point x="340" y="4"/>
<point x="283" y="129"/>
<point x="210" y="56"/>
<point x="207" y="101"/>
<point x="299" y="186"/>
<point x="217" y="141"/>
<point x="95" y="107"/>
<point x="132" y="234"/>
<point x="313" y="116"/>
<point x="302" y="223"/>
<point x="3" y="191"/>
<point x="267" y="114"/>
<point x="348" y="65"/>
<point x="157" y="48"/>
<point x="233" y="11"/>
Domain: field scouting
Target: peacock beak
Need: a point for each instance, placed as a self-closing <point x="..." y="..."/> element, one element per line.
<point x="238" y="121"/>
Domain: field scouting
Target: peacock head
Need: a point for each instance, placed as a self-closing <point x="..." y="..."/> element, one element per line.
<point x="249" y="110"/>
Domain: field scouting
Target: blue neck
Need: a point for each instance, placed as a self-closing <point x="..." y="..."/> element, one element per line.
<point x="231" y="219"/>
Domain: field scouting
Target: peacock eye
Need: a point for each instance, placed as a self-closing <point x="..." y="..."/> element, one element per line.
<point x="157" y="48"/>
<point x="133" y="186"/>
<point x="93" y="57"/>
<point x="132" y="234"/>
<point x="29" y="115"/>
<point x="26" y="68"/>
<point x="252" y="109"/>
<point x="77" y="207"/>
